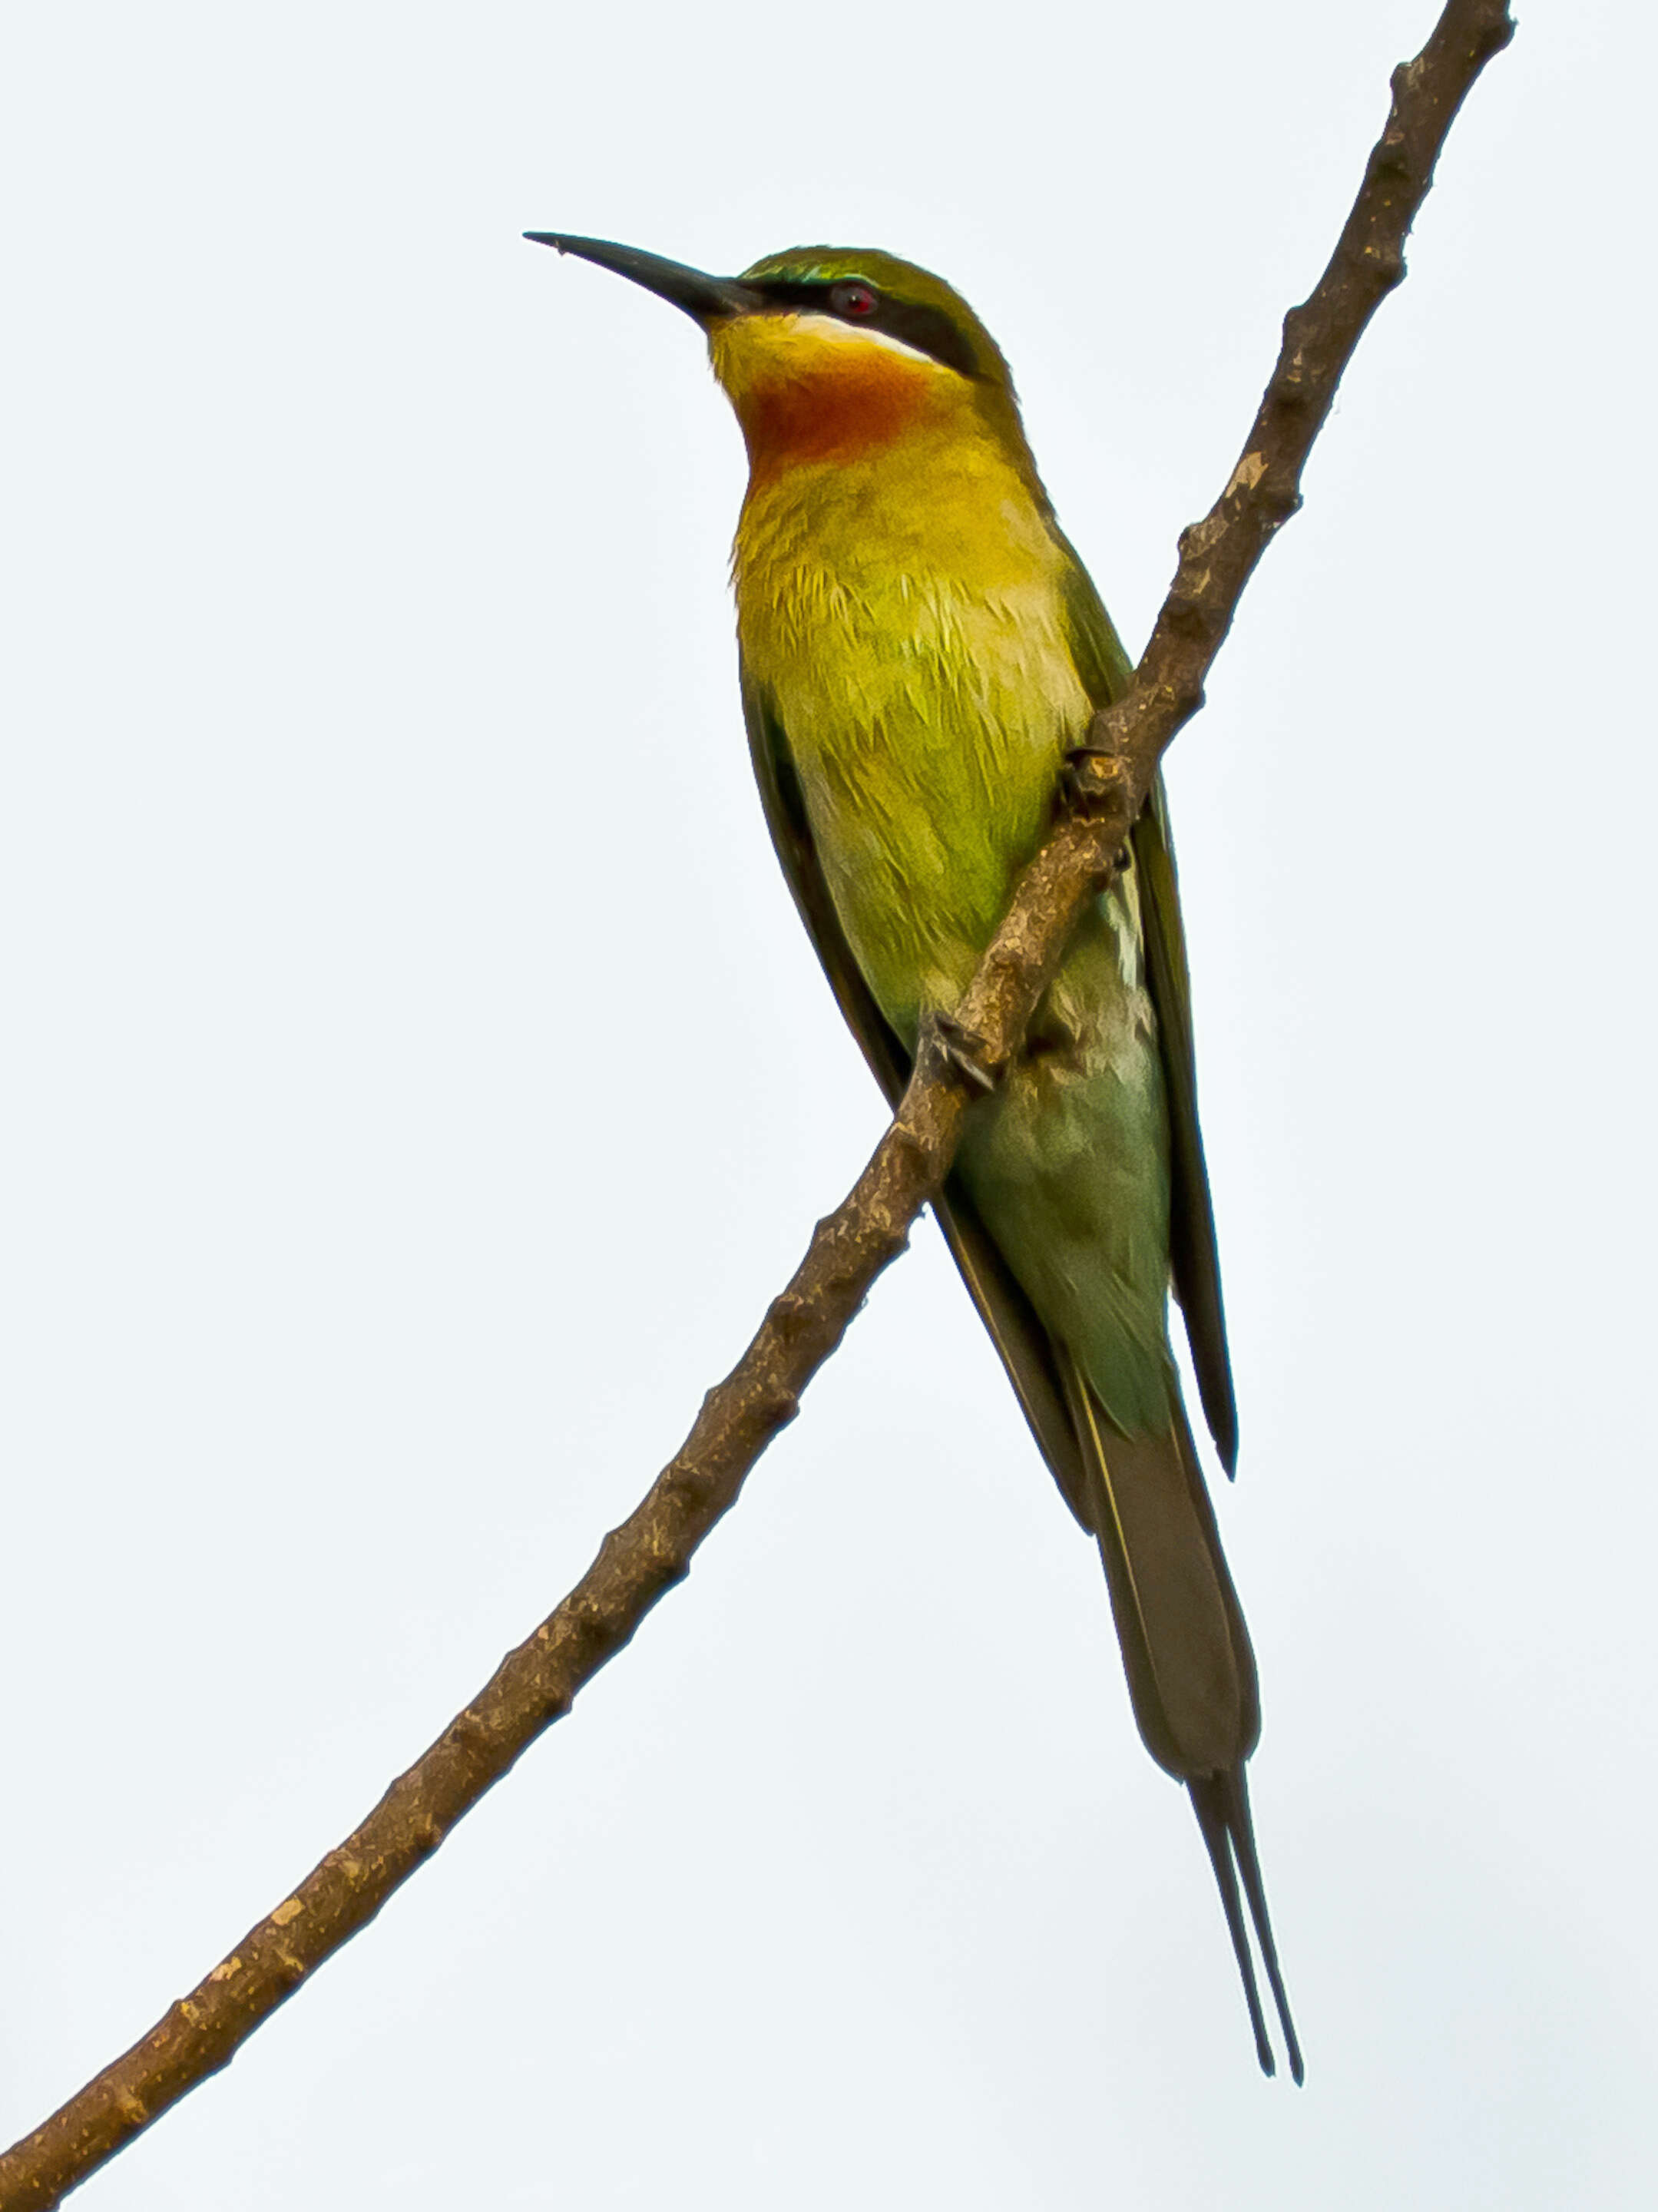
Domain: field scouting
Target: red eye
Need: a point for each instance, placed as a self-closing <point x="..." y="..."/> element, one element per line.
<point x="852" y="300"/>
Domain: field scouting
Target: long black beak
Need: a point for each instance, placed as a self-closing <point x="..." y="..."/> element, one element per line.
<point x="705" y="298"/>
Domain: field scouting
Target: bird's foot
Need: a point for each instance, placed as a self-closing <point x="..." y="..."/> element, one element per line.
<point x="1090" y="786"/>
<point x="963" y="1052"/>
<point x="1086" y="782"/>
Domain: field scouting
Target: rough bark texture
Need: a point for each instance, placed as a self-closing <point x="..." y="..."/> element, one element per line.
<point x="652" y="1550"/>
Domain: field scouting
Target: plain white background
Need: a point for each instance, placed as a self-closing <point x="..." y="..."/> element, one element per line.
<point x="415" y="1083"/>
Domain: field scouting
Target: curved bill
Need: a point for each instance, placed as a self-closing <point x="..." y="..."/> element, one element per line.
<point x="705" y="298"/>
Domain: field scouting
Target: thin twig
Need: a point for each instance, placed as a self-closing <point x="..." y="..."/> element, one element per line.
<point x="652" y="1550"/>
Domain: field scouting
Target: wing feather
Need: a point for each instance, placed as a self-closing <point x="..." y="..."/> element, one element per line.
<point x="1194" y="1255"/>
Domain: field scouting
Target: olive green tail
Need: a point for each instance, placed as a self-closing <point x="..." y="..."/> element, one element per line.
<point x="1185" y="1647"/>
<point x="1186" y="1652"/>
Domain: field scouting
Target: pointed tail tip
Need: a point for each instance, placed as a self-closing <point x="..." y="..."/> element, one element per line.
<point x="1221" y="1802"/>
<point x="1291" y="2043"/>
<point x="1242" y="1828"/>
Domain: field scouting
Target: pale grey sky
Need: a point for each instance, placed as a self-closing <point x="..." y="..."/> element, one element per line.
<point x="385" y="1173"/>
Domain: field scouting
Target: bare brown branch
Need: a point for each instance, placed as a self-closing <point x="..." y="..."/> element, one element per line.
<point x="652" y="1550"/>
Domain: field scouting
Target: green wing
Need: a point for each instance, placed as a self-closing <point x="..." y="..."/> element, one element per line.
<point x="1026" y="1349"/>
<point x="1195" y="1257"/>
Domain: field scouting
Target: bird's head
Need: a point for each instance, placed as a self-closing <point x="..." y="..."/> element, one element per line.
<point x="829" y="353"/>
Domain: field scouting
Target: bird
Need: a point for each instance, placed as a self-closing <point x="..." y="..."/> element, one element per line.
<point x="921" y="651"/>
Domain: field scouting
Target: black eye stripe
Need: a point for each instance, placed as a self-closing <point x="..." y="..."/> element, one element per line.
<point x="928" y="330"/>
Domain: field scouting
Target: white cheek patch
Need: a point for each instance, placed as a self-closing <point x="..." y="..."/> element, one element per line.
<point x="832" y="328"/>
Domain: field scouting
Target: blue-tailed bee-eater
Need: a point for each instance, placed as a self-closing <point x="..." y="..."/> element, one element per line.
<point x="920" y="649"/>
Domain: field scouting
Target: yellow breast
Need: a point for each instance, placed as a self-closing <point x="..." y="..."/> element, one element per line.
<point x="902" y="609"/>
